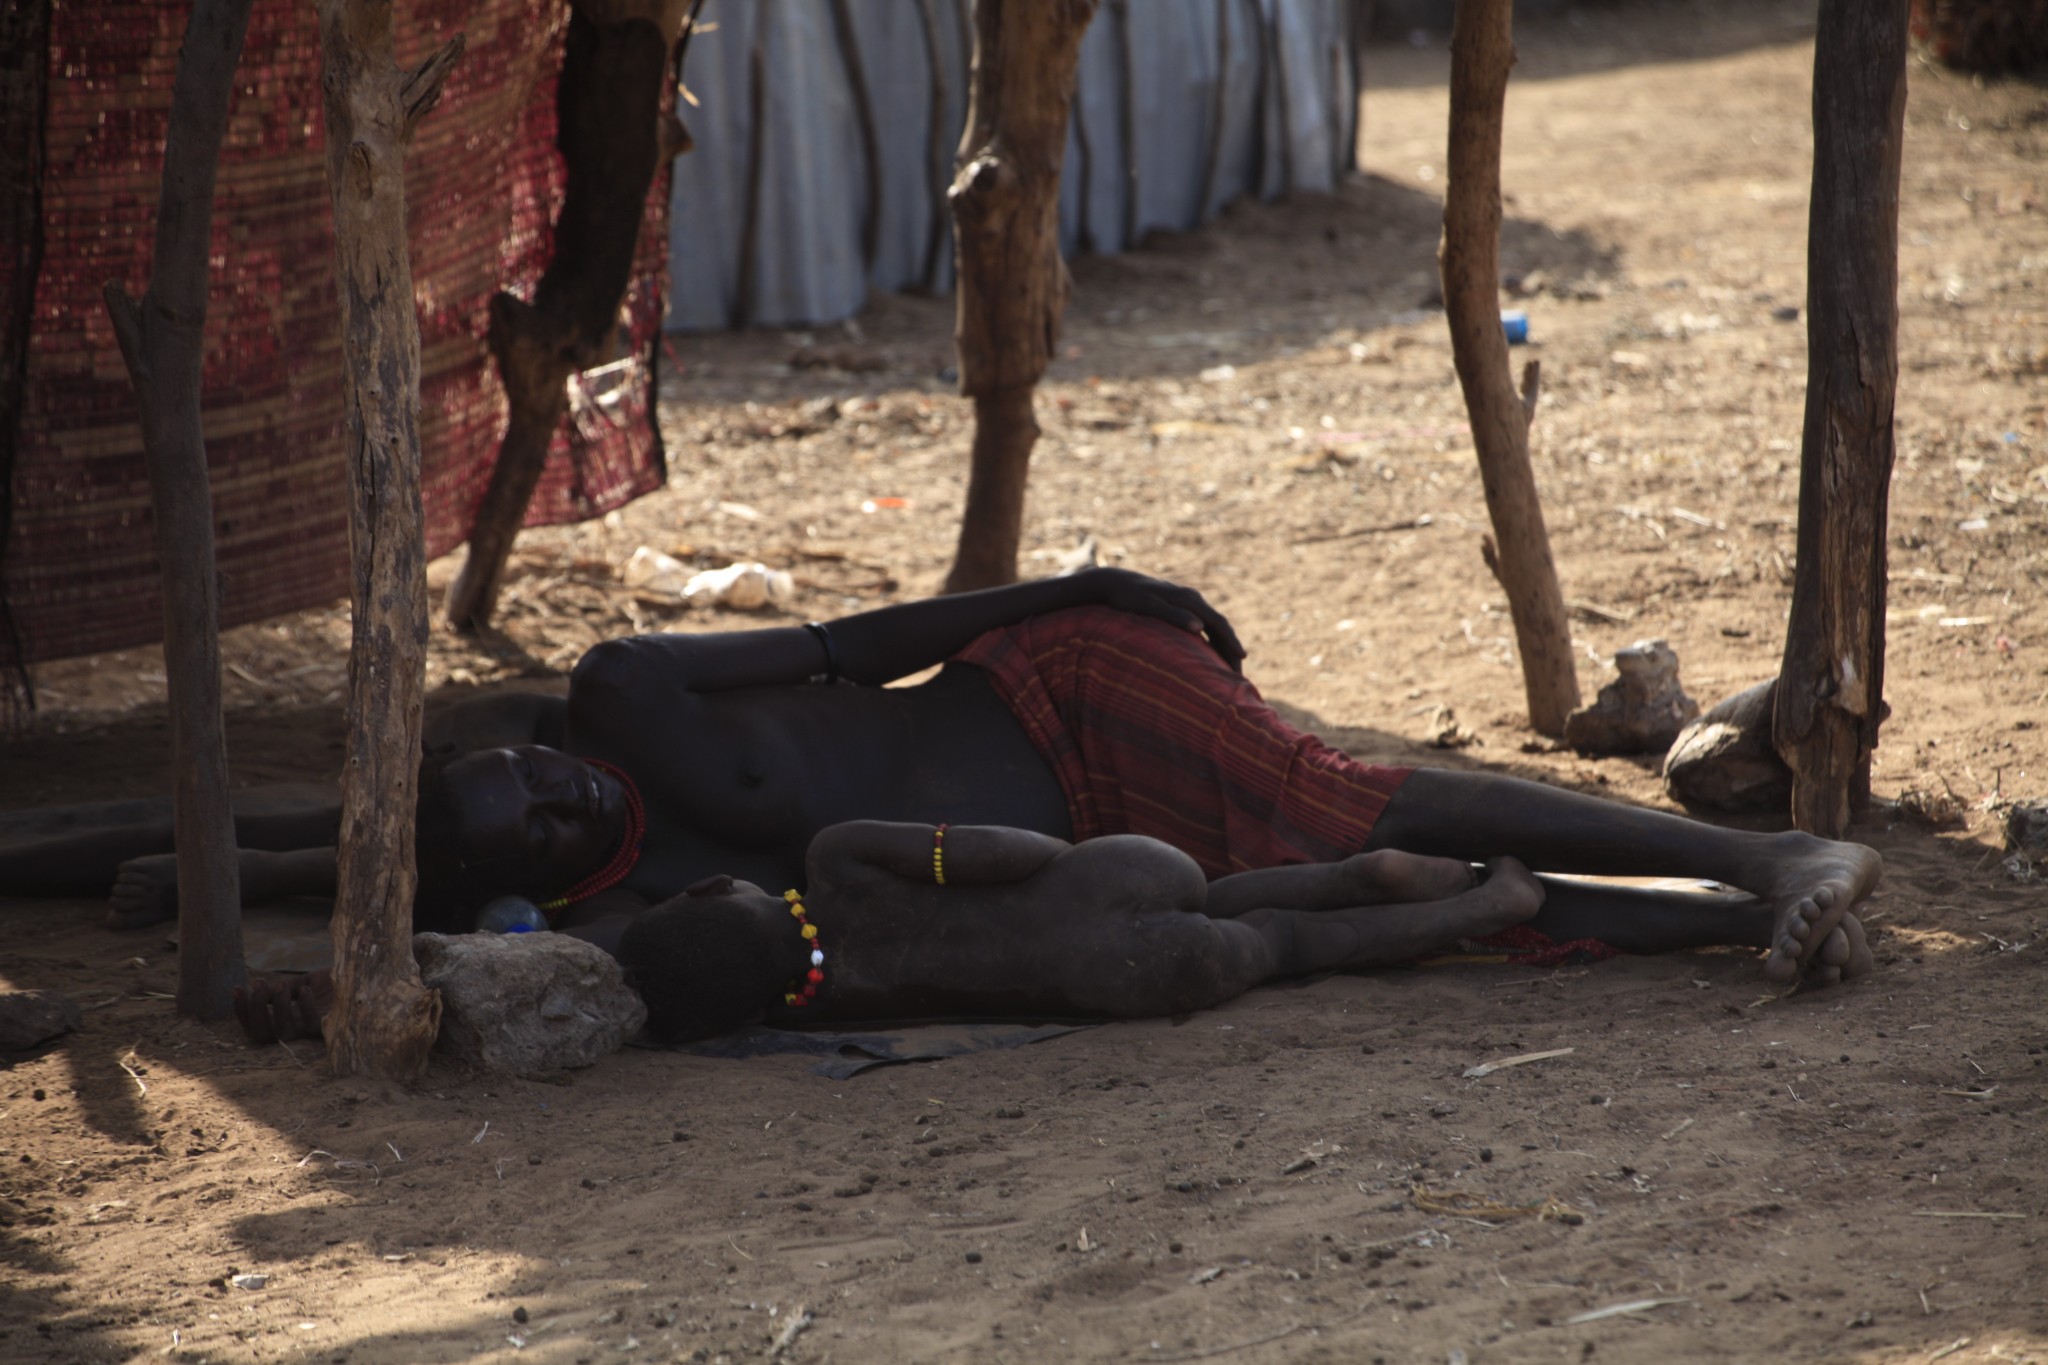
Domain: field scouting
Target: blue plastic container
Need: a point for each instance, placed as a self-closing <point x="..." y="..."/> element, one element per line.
<point x="511" y="915"/>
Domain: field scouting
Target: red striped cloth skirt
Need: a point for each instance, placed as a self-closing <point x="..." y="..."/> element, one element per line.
<point x="1151" y="733"/>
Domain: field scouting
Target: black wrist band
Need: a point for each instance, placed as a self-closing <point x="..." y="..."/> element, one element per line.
<point x="831" y="673"/>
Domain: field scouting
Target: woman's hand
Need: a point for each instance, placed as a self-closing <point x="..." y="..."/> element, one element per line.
<point x="1144" y="595"/>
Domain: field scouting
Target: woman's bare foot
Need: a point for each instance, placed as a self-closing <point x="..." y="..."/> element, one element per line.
<point x="285" y="1009"/>
<point x="145" y="892"/>
<point x="1843" y="956"/>
<point x="1813" y="885"/>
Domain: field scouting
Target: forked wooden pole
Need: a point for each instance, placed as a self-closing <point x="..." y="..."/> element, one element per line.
<point x="1013" y="283"/>
<point x="1482" y="52"/>
<point x="614" y="136"/>
<point x="1831" y="684"/>
<point x="162" y="339"/>
<point x="384" y="1018"/>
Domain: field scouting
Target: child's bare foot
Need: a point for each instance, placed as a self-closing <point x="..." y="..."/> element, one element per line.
<point x="1508" y="896"/>
<point x="145" y="892"/>
<point x="1814" y="884"/>
<point x="1390" y="877"/>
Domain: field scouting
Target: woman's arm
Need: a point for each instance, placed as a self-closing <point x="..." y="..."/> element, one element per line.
<point x="880" y="646"/>
<point x="970" y="855"/>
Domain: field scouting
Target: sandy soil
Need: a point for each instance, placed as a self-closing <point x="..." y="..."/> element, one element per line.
<point x="1264" y="409"/>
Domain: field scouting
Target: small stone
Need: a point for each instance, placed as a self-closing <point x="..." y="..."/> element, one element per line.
<point x="974" y="1258"/>
<point x="38" y="1095"/>
<point x="519" y="1315"/>
<point x="1596" y="1099"/>
<point x="1173" y="1248"/>
<point x="1367" y="1048"/>
<point x="1344" y="1257"/>
<point x="1486" y="1153"/>
<point x="251" y="1280"/>
<point x="1641" y="711"/>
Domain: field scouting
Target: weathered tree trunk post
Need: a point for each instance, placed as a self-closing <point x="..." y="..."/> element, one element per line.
<point x="614" y="135"/>
<point x="1482" y="51"/>
<point x="163" y="340"/>
<point x="384" y="1018"/>
<point x="1831" y="685"/>
<point x="1013" y="283"/>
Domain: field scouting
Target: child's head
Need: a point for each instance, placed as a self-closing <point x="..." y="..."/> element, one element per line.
<point x="711" y="960"/>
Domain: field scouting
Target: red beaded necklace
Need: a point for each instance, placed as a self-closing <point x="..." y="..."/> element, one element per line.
<point x="622" y="862"/>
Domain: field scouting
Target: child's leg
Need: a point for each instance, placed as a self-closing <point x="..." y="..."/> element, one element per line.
<point x="1383" y="877"/>
<point x="1298" y="942"/>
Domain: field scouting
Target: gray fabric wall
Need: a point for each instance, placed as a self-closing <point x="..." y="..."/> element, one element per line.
<point x="826" y="133"/>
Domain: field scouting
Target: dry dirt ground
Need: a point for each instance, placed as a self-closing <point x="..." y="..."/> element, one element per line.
<point x="1264" y="409"/>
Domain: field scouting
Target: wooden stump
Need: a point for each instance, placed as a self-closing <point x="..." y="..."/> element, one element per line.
<point x="384" y="1020"/>
<point x="1013" y="284"/>
<point x="163" y="341"/>
<point x="1831" y="684"/>
<point x="614" y="135"/>
<point x="1482" y="52"/>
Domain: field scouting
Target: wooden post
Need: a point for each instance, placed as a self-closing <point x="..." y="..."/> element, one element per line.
<point x="163" y="340"/>
<point x="1013" y="283"/>
<point x="1831" y="684"/>
<point x="24" y="110"/>
<point x="1482" y="51"/>
<point x="613" y="136"/>
<point x="384" y="1018"/>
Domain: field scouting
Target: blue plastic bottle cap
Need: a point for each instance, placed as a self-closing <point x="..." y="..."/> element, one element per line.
<point x="510" y="915"/>
<point x="1515" y="323"/>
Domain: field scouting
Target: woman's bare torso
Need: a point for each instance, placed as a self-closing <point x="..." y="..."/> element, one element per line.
<point x="740" y="781"/>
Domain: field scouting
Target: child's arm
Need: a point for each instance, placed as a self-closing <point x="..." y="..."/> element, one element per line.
<point x="966" y="855"/>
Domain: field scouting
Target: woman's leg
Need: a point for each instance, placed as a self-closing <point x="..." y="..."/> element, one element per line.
<point x="1650" y="920"/>
<point x="1809" y="884"/>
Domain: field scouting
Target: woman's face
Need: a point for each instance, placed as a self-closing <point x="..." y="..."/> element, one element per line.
<point x="533" y="820"/>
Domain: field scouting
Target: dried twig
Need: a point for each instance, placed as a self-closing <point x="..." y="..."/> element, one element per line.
<point x="133" y="1074"/>
<point x="1472" y="1073"/>
<point x="1620" y="1309"/>
<point x="791" y="1330"/>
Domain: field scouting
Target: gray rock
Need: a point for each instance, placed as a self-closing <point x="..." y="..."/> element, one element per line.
<point x="1725" y="759"/>
<point x="2026" y="829"/>
<point x="1640" y="712"/>
<point x="527" y="1003"/>
<point x="31" y="1017"/>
